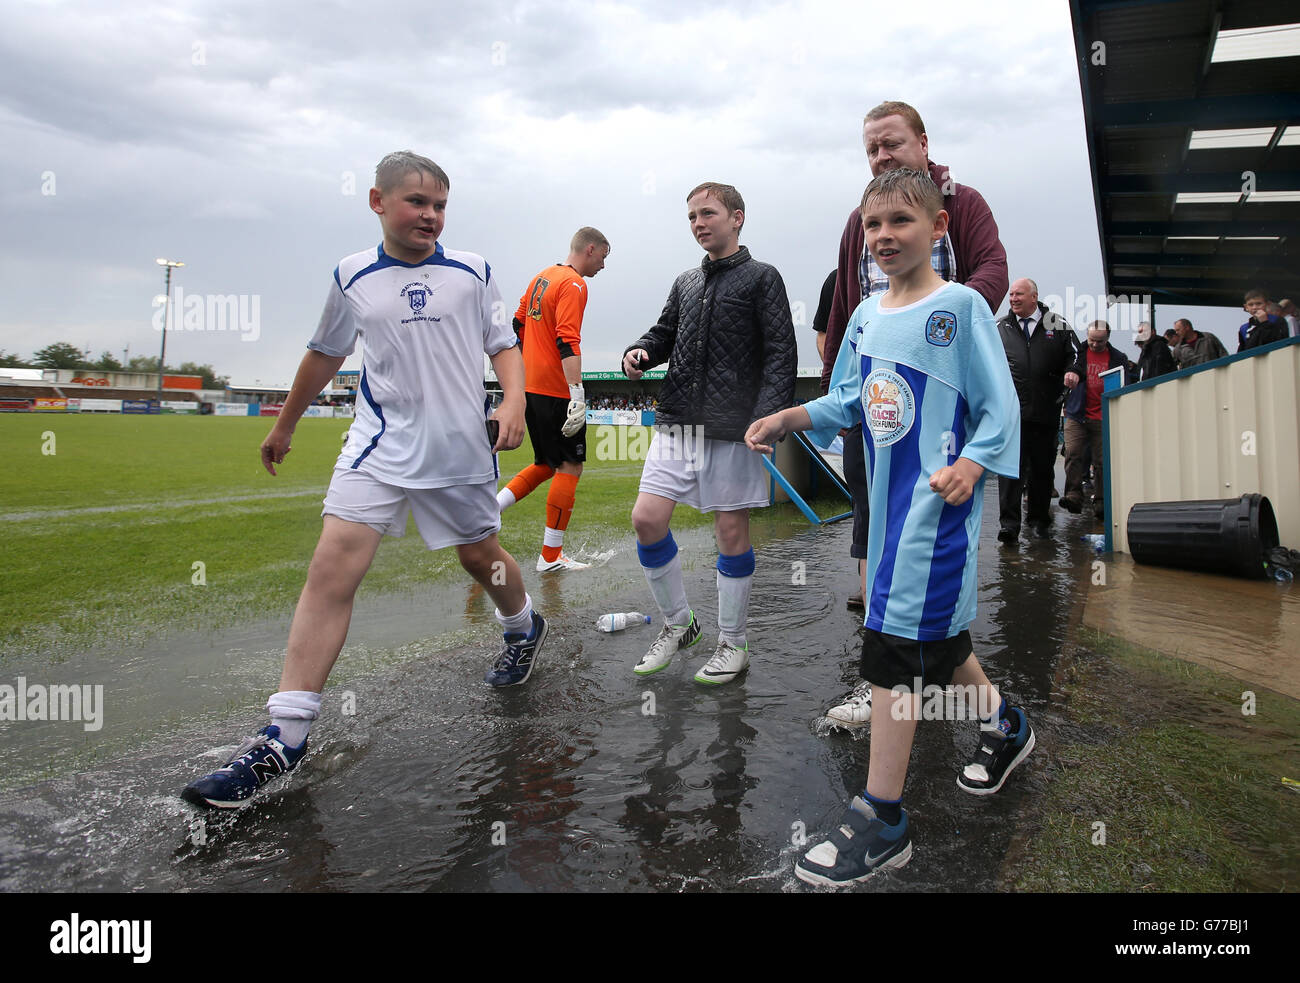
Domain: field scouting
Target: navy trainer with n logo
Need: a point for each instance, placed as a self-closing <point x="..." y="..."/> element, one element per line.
<point x="254" y="763"/>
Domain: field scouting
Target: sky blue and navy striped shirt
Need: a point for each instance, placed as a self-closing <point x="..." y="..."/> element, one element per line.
<point x="930" y="383"/>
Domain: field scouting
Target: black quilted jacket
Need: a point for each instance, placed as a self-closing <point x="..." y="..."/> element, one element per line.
<point x="729" y="341"/>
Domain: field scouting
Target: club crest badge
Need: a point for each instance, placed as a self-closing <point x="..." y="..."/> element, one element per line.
<point x="888" y="407"/>
<point x="940" y="328"/>
<point x="417" y="295"/>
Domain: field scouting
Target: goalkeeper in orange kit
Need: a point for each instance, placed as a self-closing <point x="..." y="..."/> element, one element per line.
<point x="549" y="322"/>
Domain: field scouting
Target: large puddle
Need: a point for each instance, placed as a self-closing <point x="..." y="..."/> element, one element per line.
<point x="588" y="778"/>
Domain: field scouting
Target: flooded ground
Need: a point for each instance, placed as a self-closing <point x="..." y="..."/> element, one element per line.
<point x="588" y="778"/>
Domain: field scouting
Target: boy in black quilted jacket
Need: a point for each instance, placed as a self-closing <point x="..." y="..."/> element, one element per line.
<point x="727" y="335"/>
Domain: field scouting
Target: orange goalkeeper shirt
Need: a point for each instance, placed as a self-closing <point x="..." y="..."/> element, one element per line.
<point x="549" y="320"/>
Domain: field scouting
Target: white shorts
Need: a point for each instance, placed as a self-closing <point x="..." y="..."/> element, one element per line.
<point x="708" y="475"/>
<point x="452" y="516"/>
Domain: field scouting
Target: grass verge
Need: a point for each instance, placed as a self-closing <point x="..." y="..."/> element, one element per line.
<point x="1189" y="788"/>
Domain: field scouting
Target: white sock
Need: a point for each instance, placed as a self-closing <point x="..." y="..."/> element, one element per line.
<point x="669" y="591"/>
<point x="517" y="624"/>
<point x="505" y="499"/>
<point x="293" y="711"/>
<point x="733" y="608"/>
<point x="553" y="537"/>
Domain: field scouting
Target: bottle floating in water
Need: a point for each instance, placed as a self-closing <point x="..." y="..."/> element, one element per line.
<point x="1282" y="575"/>
<point x="1097" y="541"/>
<point x="617" y="622"/>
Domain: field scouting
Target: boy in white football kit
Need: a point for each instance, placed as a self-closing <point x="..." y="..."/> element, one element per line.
<point x="728" y="337"/>
<point x="419" y="444"/>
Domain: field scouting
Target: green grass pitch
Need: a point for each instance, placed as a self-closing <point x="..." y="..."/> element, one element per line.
<point x="103" y="534"/>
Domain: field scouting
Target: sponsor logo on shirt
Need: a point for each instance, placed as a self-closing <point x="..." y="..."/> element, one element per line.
<point x="941" y="327"/>
<point x="888" y="405"/>
<point x="417" y="295"/>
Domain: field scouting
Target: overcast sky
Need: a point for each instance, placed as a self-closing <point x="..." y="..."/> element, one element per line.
<point x="242" y="137"/>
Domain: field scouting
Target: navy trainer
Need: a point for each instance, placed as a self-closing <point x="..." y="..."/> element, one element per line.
<point x="518" y="656"/>
<point x="862" y="845"/>
<point x="255" y="762"/>
<point x="998" y="755"/>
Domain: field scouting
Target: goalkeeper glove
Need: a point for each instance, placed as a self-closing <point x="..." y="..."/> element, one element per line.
<point x="577" y="418"/>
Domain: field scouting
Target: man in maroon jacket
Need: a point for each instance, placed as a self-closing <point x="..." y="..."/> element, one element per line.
<point x="970" y="253"/>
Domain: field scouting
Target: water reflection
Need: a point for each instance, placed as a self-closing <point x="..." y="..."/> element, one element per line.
<point x="438" y="783"/>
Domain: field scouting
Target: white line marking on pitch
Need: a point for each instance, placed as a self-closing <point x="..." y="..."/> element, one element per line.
<point x="142" y="506"/>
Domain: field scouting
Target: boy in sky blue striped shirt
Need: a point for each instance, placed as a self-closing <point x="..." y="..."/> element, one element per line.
<point x="923" y="369"/>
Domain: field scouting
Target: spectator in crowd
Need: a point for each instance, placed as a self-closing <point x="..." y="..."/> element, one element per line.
<point x="1083" y="433"/>
<point x="1040" y="347"/>
<point x="1195" y="347"/>
<point x="1262" y="328"/>
<point x="1290" y="315"/>
<point x="823" y="315"/>
<point x="1156" y="358"/>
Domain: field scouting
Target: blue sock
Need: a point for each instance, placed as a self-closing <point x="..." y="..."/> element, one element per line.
<point x="890" y="811"/>
<point x="1000" y="721"/>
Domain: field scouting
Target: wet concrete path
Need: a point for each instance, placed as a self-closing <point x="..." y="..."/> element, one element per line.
<point x="588" y="778"/>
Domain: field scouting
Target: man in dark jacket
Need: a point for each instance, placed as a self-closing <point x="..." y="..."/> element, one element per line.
<point x="728" y="337"/>
<point x="1156" y="358"/>
<point x="1040" y="348"/>
<point x="1083" y="433"/>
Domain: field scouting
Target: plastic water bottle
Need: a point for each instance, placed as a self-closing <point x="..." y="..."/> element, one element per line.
<point x="617" y="622"/>
<point x="1097" y="541"/>
<point x="1282" y="575"/>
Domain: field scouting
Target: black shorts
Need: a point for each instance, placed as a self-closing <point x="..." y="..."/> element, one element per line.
<point x="545" y="415"/>
<point x="890" y="660"/>
<point x="855" y="476"/>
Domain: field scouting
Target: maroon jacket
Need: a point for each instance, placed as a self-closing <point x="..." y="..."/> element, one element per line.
<point x="981" y="260"/>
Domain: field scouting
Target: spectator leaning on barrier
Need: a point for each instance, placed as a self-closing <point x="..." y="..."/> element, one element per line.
<point x="1195" y="347"/>
<point x="1083" y="434"/>
<point x="1040" y="347"/>
<point x="1262" y="328"/>
<point x="1156" y="358"/>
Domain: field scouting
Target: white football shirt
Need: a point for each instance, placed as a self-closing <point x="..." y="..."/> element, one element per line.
<point x="421" y="402"/>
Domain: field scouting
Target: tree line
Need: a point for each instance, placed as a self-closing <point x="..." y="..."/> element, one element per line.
<point x="61" y="355"/>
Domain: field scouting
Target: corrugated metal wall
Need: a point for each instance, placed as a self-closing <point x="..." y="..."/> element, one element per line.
<point x="1211" y="432"/>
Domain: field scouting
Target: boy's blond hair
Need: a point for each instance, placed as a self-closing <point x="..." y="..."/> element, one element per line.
<point x="587" y="236"/>
<point x="394" y="167"/>
<point x="725" y="193"/>
<point x="912" y="186"/>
